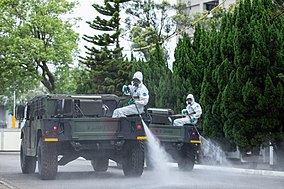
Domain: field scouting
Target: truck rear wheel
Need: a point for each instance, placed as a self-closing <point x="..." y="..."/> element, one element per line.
<point x="134" y="159"/>
<point x="28" y="163"/>
<point x="187" y="158"/>
<point x="100" y="164"/>
<point x="47" y="160"/>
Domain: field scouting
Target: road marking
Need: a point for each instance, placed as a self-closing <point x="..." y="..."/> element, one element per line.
<point x="4" y="183"/>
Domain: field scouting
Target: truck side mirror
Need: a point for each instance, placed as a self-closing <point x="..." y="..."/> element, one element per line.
<point x="20" y="112"/>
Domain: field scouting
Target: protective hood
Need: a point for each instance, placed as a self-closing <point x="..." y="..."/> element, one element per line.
<point x="190" y="96"/>
<point x="138" y="75"/>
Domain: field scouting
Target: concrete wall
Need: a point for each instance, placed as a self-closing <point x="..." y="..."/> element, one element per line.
<point x="228" y="3"/>
<point x="10" y="139"/>
<point x="3" y="116"/>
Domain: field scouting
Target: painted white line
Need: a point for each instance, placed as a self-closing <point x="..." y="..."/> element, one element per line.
<point x="4" y="184"/>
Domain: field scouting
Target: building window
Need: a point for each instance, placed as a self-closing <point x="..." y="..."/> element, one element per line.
<point x="210" y="5"/>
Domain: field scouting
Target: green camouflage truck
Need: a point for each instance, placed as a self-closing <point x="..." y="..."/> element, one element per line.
<point x="180" y="142"/>
<point x="60" y="128"/>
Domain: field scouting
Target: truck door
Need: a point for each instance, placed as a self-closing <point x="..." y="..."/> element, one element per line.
<point x="28" y="128"/>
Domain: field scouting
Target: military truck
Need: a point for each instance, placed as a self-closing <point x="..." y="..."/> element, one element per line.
<point x="60" y="128"/>
<point x="180" y="142"/>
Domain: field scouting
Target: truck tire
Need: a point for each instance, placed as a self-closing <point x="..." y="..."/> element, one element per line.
<point x="28" y="163"/>
<point x="47" y="160"/>
<point x="100" y="164"/>
<point x="187" y="158"/>
<point x="134" y="159"/>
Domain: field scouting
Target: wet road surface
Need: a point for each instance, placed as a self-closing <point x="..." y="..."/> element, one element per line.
<point x="80" y="174"/>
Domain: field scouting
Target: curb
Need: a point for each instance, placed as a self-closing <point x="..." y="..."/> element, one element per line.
<point x="240" y="170"/>
<point x="4" y="184"/>
<point x="225" y="169"/>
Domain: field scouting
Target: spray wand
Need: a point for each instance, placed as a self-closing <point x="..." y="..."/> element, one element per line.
<point x="194" y="125"/>
<point x="135" y="104"/>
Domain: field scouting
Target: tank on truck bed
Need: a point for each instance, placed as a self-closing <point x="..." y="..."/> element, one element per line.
<point x="72" y="126"/>
<point x="181" y="142"/>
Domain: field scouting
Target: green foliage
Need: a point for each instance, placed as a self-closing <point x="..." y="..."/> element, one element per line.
<point x="234" y="67"/>
<point x="108" y="69"/>
<point x="188" y="67"/>
<point x="181" y="70"/>
<point x="148" y="23"/>
<point x="68" y="79"/>
<point x="251" y="98"/>
<point x="157" y="78"/>
<point x="35" y="40"/>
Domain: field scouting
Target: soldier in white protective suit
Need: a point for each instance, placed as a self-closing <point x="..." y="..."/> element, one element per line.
<point x="140" y="95"/>
<point x="193" y="111"/>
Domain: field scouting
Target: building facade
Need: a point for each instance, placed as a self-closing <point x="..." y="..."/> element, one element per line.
<point x="199" y="6"/>
<point x="196" y="6"/>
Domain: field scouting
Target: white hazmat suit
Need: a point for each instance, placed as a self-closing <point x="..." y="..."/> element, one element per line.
<point x="193" y="111"/>
<point x="140" y="95"/>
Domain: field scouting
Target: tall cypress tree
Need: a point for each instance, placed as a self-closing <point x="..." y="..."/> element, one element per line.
<point x="191" y="59"/>
<point x="156" y="73"/>
<point x="242" y="84"/>
<point x="222" y="51"/>
<point x="108" y="68"/>
<point x="181" y="70"/>
<point x="198" y="60"/>
<point x="253" y="86"/>
<point x="215" y="69"/>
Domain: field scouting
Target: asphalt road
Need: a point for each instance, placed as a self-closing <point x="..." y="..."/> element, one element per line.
<point x="80" y="174"/>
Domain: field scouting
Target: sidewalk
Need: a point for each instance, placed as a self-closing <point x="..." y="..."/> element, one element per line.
<point x="241" y="170"/>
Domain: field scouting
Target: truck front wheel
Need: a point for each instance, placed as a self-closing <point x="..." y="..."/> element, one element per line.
<point x="28" y="163"/>
<point x="100" y="164"/>
<point x="187" y="157"/>
<point x="47" y="160"/>
<point x="133" y="164"/>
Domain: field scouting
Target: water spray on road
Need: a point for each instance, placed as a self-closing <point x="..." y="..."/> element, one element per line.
<point x="157" y="154"/>
<point x="210" y="152"/>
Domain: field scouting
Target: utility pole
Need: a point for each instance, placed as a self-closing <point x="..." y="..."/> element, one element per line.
<point x="14" y="112"/>
<point x="14" y="107"/>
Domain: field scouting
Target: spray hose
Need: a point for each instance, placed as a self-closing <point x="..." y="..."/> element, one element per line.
<point x="197" y="131"/>
<point x="135" y="104"/>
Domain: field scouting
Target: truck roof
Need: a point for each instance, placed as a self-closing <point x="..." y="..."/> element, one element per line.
<point x="79" y="96"/>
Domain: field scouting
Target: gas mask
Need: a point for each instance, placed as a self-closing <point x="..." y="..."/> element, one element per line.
<point x="136" y="82"/>
<point x="189" y="101"/>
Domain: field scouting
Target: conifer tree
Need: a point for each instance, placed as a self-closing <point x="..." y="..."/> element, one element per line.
<point x="188" y="68"/>
<point x="215" y="80"/>
<point x="181" y="71"/>
<point x="242" y="85"/>
<point x="156" y="76"/>
<point x="107" y="65"/>
<point x="254" y="91"/>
